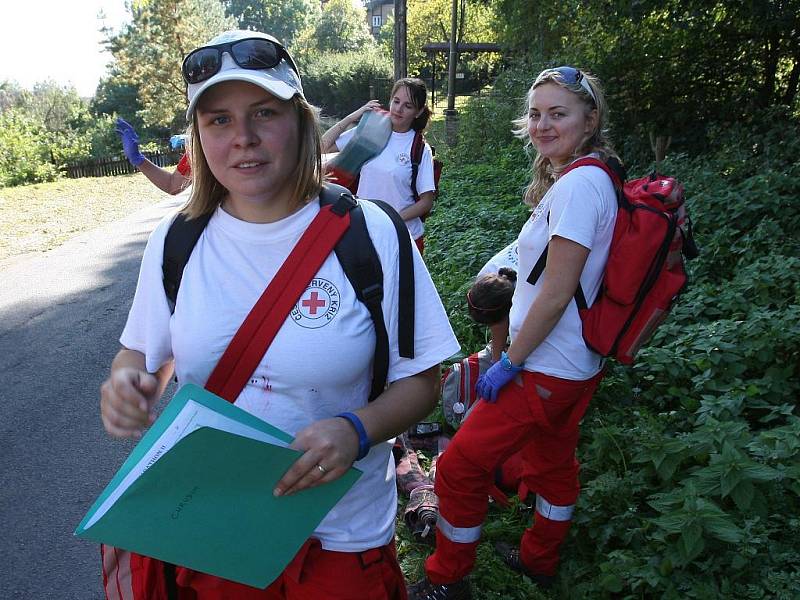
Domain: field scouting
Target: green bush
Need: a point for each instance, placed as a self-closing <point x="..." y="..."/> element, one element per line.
<point x="339" y="83"/>
<point x="44" y="130"/>
<point x="24" y="151"/>
<point x="504" y="103"/>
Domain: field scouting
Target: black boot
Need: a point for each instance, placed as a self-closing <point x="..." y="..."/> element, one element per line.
<point x="425" y="590"/>
<point x="510" y="556"/>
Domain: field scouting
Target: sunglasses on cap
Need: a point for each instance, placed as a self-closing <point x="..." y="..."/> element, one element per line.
<point x="249" y="53"/>
<point x="570" y="76"/>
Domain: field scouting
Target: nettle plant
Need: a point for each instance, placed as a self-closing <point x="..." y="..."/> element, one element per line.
<point x="692" y="457"/>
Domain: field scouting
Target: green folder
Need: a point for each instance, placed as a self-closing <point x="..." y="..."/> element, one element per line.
<point x="206" y="502"/>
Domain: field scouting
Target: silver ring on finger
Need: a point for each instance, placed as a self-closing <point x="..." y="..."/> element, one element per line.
<point x="322" y="469"/>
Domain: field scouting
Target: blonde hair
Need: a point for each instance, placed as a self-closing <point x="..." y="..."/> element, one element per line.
<point x="544" y="173"/>
<point x="208" y="193"/>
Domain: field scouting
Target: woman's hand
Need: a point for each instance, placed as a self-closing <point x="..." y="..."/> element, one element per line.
<point x="495" y="379"/>
<point x="356" y="115"/>
<point x="130" y="142"/>
<point x="332" y="444"/>
<point x="329" y="448"/>
<point x="126" y="400"/>
<point x="329" y="137"/>
<point x="129" y="394"/>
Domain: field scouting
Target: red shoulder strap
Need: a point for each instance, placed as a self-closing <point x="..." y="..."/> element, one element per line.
<point x="417" y="147"/>
<point x="259" y="328"/>
<point x="474" y="372"/>
<point x="595" y="162"/>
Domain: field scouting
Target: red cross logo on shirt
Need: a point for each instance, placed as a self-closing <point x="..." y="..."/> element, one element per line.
<point x="313" y="303"/>
<point x="318" y="305"/>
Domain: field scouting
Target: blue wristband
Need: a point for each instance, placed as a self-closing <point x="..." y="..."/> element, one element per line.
<point x="363" y="440"/>
<point x="506" y="363"/>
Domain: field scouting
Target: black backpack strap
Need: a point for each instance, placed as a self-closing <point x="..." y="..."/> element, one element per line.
<point x="538" y="269"/>
<point x="406" y="291"/>
<point x="178" y="245"/>
<point x="362" y="266"/>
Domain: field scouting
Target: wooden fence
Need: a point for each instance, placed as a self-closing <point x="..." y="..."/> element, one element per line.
<point x="113" y="165"/>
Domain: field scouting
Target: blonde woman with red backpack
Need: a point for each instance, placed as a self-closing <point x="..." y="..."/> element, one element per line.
<point x="534" y="397"/>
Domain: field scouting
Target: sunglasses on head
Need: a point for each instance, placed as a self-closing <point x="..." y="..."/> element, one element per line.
<point x="249" y="53"/>
<point x="570" y="76"/>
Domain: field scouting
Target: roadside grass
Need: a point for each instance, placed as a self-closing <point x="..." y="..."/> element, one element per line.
<point x="36" y="218"/>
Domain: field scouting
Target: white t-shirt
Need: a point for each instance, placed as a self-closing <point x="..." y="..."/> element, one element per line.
<point x="387" y="177"/>
<point x="507" y="257"/>
<point x="583" y="208"/>
<point x="319" y="363"/>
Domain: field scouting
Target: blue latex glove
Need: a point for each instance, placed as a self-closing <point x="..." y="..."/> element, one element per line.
<point x="177" y="141"/>
<point x="130" y="142"/>
<point x="496" y="377"/>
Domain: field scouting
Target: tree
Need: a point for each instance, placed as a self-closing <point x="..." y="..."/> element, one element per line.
<point x="284" y="19"/>
<point x="23" y="152"/>
<point x="10" y="94"/>
<point x="116" y="96"/>
<point x="148" y="52"/>
<point x="341" y="27"/>
<point x="670" y="66"/>
<point x="59" y="108"/>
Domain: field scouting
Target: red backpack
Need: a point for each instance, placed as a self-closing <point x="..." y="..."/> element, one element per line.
<point x="417" y="148"/>
<point x="645" y="269"/>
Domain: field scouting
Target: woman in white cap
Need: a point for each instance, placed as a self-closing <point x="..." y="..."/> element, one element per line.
<point x="256" y="160"/>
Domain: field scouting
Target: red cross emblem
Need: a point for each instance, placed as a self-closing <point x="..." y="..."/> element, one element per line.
<point x="313" y="303"/>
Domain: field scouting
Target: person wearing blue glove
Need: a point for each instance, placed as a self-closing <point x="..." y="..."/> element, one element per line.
<point x="171" y="182"/>
<point x="496" y="377"/>
<point x="536" y="394"/>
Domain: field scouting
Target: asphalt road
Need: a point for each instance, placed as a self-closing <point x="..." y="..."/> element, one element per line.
<point x="61" y="313"/>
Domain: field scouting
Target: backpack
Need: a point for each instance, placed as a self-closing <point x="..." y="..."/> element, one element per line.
<point x="458" y="385"/>
<point x="645" y="270"/>
<point x="417" y="149"/>
<point x="358" y="258"/>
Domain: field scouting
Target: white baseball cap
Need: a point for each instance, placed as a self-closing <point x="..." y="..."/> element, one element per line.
<point x="282" y="80"/>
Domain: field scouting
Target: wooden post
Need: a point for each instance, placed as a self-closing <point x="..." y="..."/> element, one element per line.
<point x="433" y="80"/>
<point x="659" y="144"/>
<point x="451" y="114"/>
<point x="400" y="54"/>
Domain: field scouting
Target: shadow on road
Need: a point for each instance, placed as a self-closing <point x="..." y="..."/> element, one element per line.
<point x="61" y="314"/>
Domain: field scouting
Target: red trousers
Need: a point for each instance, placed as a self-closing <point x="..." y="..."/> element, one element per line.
<point x="539" y="417"/>
<point x="313" y="574"/>
<point x="420" y="242"/>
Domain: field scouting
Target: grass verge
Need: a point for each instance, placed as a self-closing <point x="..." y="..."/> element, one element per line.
<point x="36" y="218"/>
